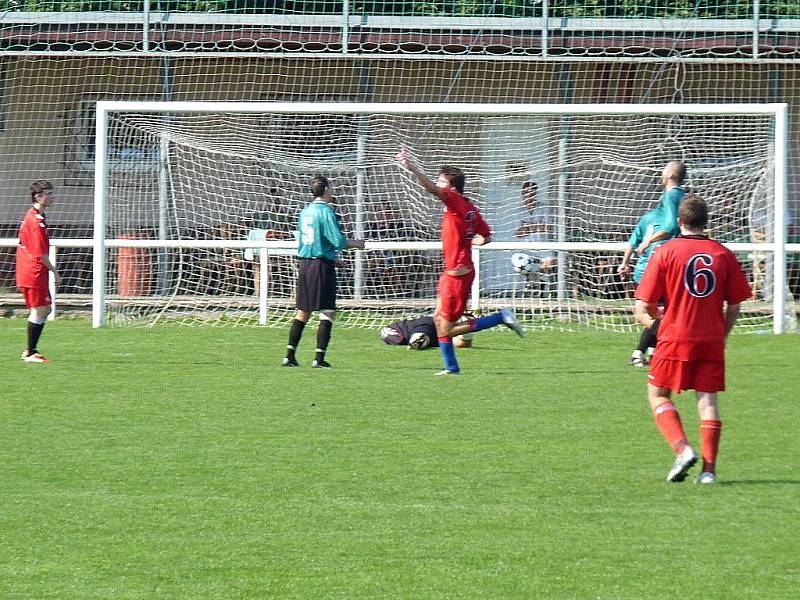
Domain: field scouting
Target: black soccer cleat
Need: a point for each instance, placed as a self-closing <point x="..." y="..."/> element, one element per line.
<point x="322" y="364"/>
<point x="290" y="362"/>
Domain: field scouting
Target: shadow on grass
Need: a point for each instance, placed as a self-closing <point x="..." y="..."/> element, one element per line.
<point x="761" y="482"/>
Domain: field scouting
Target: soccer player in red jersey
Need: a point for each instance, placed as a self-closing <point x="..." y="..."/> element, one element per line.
<point x="462" y="227"/>
<point x="33" y="265"/>
<point x="702" y="285"/>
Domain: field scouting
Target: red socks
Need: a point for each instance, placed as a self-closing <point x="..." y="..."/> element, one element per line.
<point x="710" y="432"/>
<point x="669" y="423"/>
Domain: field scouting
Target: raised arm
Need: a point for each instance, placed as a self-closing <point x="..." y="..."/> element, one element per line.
<point x="405" y="161"/>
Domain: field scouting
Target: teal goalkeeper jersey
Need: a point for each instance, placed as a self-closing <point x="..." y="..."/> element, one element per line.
<point x="319" y="233"/>
<point x="647" y="225"/>
<point x="668" y="210"/>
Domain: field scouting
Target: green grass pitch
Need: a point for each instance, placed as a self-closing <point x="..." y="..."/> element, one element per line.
<point x="185" y="463"/>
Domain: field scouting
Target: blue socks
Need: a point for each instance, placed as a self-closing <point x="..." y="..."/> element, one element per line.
<point x="448" y="354"/>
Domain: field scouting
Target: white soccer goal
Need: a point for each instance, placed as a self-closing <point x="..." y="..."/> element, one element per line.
<point x="195" y="204"/>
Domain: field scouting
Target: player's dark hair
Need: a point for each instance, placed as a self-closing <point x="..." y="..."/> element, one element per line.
<point x="318" y="185"/>
<point x="455" y="176"/>
<point x="693" y="211"/>
<point x="40" y="187"/>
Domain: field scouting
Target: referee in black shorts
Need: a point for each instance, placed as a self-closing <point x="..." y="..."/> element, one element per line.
<point x="320" y="239"/>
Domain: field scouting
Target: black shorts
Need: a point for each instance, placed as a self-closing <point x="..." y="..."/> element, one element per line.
<point x="316" y="285"/>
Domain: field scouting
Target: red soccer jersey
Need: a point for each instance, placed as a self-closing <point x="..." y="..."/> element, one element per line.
<point x="34" y="242"/>
<point x="694" y="276"/>
<point x="460" y="222"/>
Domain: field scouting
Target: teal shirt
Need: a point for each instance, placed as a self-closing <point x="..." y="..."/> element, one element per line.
<point x="647" y="225"/>
<point x="668" y="210"/>
<point x="319" y="233"/>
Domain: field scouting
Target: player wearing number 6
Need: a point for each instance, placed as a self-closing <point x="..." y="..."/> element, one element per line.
<point x="702" y="285"/>
<point x="320" y="239"/>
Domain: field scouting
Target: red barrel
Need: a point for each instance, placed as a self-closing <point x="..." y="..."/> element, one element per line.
<point x="135" y="268"/>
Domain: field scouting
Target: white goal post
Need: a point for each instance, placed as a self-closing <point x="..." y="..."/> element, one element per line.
<point x="595" y="167"/>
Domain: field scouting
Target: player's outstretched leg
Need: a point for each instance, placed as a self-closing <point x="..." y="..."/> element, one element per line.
<point x="504" y="316"/>
<point x="510" y="321"/>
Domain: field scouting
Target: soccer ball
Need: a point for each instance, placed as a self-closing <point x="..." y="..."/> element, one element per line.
<point x="522" y="263"/>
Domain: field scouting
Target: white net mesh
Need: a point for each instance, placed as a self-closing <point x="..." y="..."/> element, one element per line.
<point x="234" y="177"/>
<point x="58" y="57"/>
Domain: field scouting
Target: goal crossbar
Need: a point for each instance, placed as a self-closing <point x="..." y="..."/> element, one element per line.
<point x="432" y="108"/>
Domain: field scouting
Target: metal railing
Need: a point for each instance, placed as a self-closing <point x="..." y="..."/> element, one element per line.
<point x="268" y="248"/>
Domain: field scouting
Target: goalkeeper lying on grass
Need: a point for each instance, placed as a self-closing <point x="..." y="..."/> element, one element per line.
<point x="418" y="334"/>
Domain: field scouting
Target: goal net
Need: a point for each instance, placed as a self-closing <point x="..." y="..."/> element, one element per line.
<point x="196" y="204"/>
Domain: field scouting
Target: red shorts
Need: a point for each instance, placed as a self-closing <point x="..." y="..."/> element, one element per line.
<point x="36" y="296"/>
<point x="678" y="375"/>
<point x="453" y="295"/>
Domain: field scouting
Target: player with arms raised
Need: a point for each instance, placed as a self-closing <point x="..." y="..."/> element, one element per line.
<point x="32" y="266"/>
<point x="702" y="285"/>
<point x="462" y="227"/>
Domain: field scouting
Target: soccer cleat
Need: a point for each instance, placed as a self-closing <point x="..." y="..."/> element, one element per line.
<point x="33" y="358"/>
<point x="706" y="478"/>
<point x="445" y="372"/>
<point x="289" y="362"/>
<point x="511" y="322"/>
<point x="322" y="364"/>
<point x="637" y="359"/>
<point x="683" y="462"/>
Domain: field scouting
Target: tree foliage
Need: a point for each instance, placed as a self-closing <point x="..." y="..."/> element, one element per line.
<point x="720" y="9"/>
